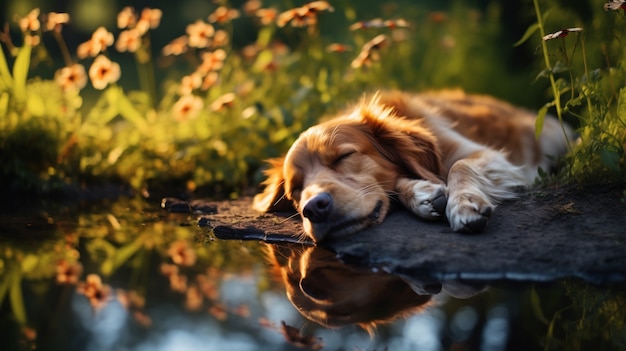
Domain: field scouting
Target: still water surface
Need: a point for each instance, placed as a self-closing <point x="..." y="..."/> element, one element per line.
<point x="127" y="275"/>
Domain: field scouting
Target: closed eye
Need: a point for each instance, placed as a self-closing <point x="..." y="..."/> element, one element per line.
<point x="342" y="157"/>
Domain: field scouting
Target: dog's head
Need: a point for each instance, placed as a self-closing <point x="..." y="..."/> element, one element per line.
<point x="339" y="174"/>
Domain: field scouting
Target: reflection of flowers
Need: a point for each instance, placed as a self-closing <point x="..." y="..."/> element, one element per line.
<point x="104" y="72"/>
<point x="97" y="293"/>
<point x="181" y="254"/>
<point x="68" y="273"/>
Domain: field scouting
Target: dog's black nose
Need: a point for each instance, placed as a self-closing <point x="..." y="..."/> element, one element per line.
<point x="318" y="207"/>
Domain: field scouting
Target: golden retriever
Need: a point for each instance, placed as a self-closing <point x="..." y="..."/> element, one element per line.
<point x="443" y="155"/>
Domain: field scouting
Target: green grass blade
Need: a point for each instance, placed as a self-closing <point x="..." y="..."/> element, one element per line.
<point x="5" y="74"/>
<point x="20" y="72"/>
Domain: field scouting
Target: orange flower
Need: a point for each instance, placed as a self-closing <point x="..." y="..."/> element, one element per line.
<point x="209" y="80"/>
<point x="266" y="16"/>
<point x="189" y="83"/>
<point x="187" y="107"/>
<point x="150" y="19"/>
<point x="369" y="52"/>
<point x="379" y="23"/>
<point x="438" y="17"/>
<point x="177" y="46"/>
<point x="54" y="21"/>
<point x="102" y="38"/>
<point x="71" y="78"/>
<point x="128" y="40"/>
<point x="126" y="18"/>
<point x="223" y="14"/>
<point x="104" y="72"/>
<point x="30" y="23"/>
<point x="303" y="16"/>
<point x="336" y="47"/>
<point x="200" y="34"/>
<point x="223" y="101"/>
<point x="251" y="6"/>
<point x="97" y="293"/>
<point x="220" y="38"/>
<point x="212" y="61"/>
<point x="32" y="40"/>
<point x="68" y="273"/>
<point x="193" y="298"/>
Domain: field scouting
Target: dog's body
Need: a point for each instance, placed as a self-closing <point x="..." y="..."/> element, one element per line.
<point x="443" y="154"/>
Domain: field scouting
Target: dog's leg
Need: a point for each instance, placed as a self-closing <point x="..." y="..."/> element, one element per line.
<point x="424" y="198"/>
<point x="476" y="184"/>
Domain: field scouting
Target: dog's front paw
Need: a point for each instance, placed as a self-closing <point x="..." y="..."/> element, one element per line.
<point x="426" y="199"/>
<point x="468" y="213"/>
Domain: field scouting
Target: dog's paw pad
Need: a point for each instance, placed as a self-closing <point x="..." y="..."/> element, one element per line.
<point x="440" y="202"/>
<point x="478" y="223"/>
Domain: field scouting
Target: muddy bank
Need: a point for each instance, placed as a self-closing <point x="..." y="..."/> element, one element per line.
<point x="544" y="235"/>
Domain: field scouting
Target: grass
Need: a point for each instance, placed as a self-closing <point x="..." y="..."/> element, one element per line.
<point x="205" y="112"/>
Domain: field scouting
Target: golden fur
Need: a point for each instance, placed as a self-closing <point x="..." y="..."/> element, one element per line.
<point x="444" y="155"/>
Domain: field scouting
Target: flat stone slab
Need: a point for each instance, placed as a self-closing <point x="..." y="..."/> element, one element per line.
<point x="544" y="235"/>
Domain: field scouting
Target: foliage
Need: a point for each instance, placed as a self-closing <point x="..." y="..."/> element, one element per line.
<point x="593" y="97"/>
<point x="210" y="111"/>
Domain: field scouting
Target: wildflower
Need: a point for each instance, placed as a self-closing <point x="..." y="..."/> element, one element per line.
<point x="178" y="283"/>
<point x="209" y="80"/>
<point x="380" y="23"/>
<point x="212" y="61"/>
<point x="102" y="38"/>
<point x="104" y="72"/>
<point x="251" y="7"/>
<point x="336" y="47"/>
<point x="128" y="40"/>
<point x="369" y="52"/>
<point x="266" y="16"/>
<point x="32" y="40"/>
<point x="303" y="16"/>
<point x="200" y="34"/>
<point x="187" y="107"/>
<point x="223" y="14"/>
<point x="220" y="38"/>
<point x="189" y="83"/>
<point x="181" y="253"/>
<point x="615" y="5"/>
<point x="54" y="21"/>
<point x="169" y="269"/>
<point x="68" y="273"/>
<point x="223" y="101"/>
<point x="149" y="19"/>
<point x="30" y="23"/>
<point x="561" y="33"/>
<point x="438" y="17"/>
<point x="177" y="46"/>
<point x="97" y="293"/>
<point x="71" y="78"/>
<point x="126" y="18"/>
<point x="208" y="287"/>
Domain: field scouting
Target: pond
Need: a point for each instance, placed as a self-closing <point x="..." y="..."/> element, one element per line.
<point x="128" y="275"/>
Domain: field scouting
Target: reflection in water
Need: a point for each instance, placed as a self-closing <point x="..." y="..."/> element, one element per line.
<point x="333" y="294"/>
<point x="130" y="277"/>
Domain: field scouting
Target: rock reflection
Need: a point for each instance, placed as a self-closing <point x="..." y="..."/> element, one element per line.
<point x="335" y="294"/>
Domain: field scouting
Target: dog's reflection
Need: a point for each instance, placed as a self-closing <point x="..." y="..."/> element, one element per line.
<point x="334" y="294"/>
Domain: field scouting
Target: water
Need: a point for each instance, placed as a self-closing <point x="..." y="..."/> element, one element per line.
<point x="127" y="275"/>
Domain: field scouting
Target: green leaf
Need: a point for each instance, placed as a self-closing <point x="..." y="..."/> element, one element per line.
<point x="610" y="159"/>
<point x="127" y="109"/>
<point x="122" y="255"/>
<point x="20" y="72"/>
<point x="17" y="300"/>
<point x="529" y="33"/>
<point x="541" y="116"/>
<point x="5" y="74"/>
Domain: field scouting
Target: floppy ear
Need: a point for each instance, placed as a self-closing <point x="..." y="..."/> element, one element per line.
<point x="272" y="199"/>
<point x="405" y="142"/>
